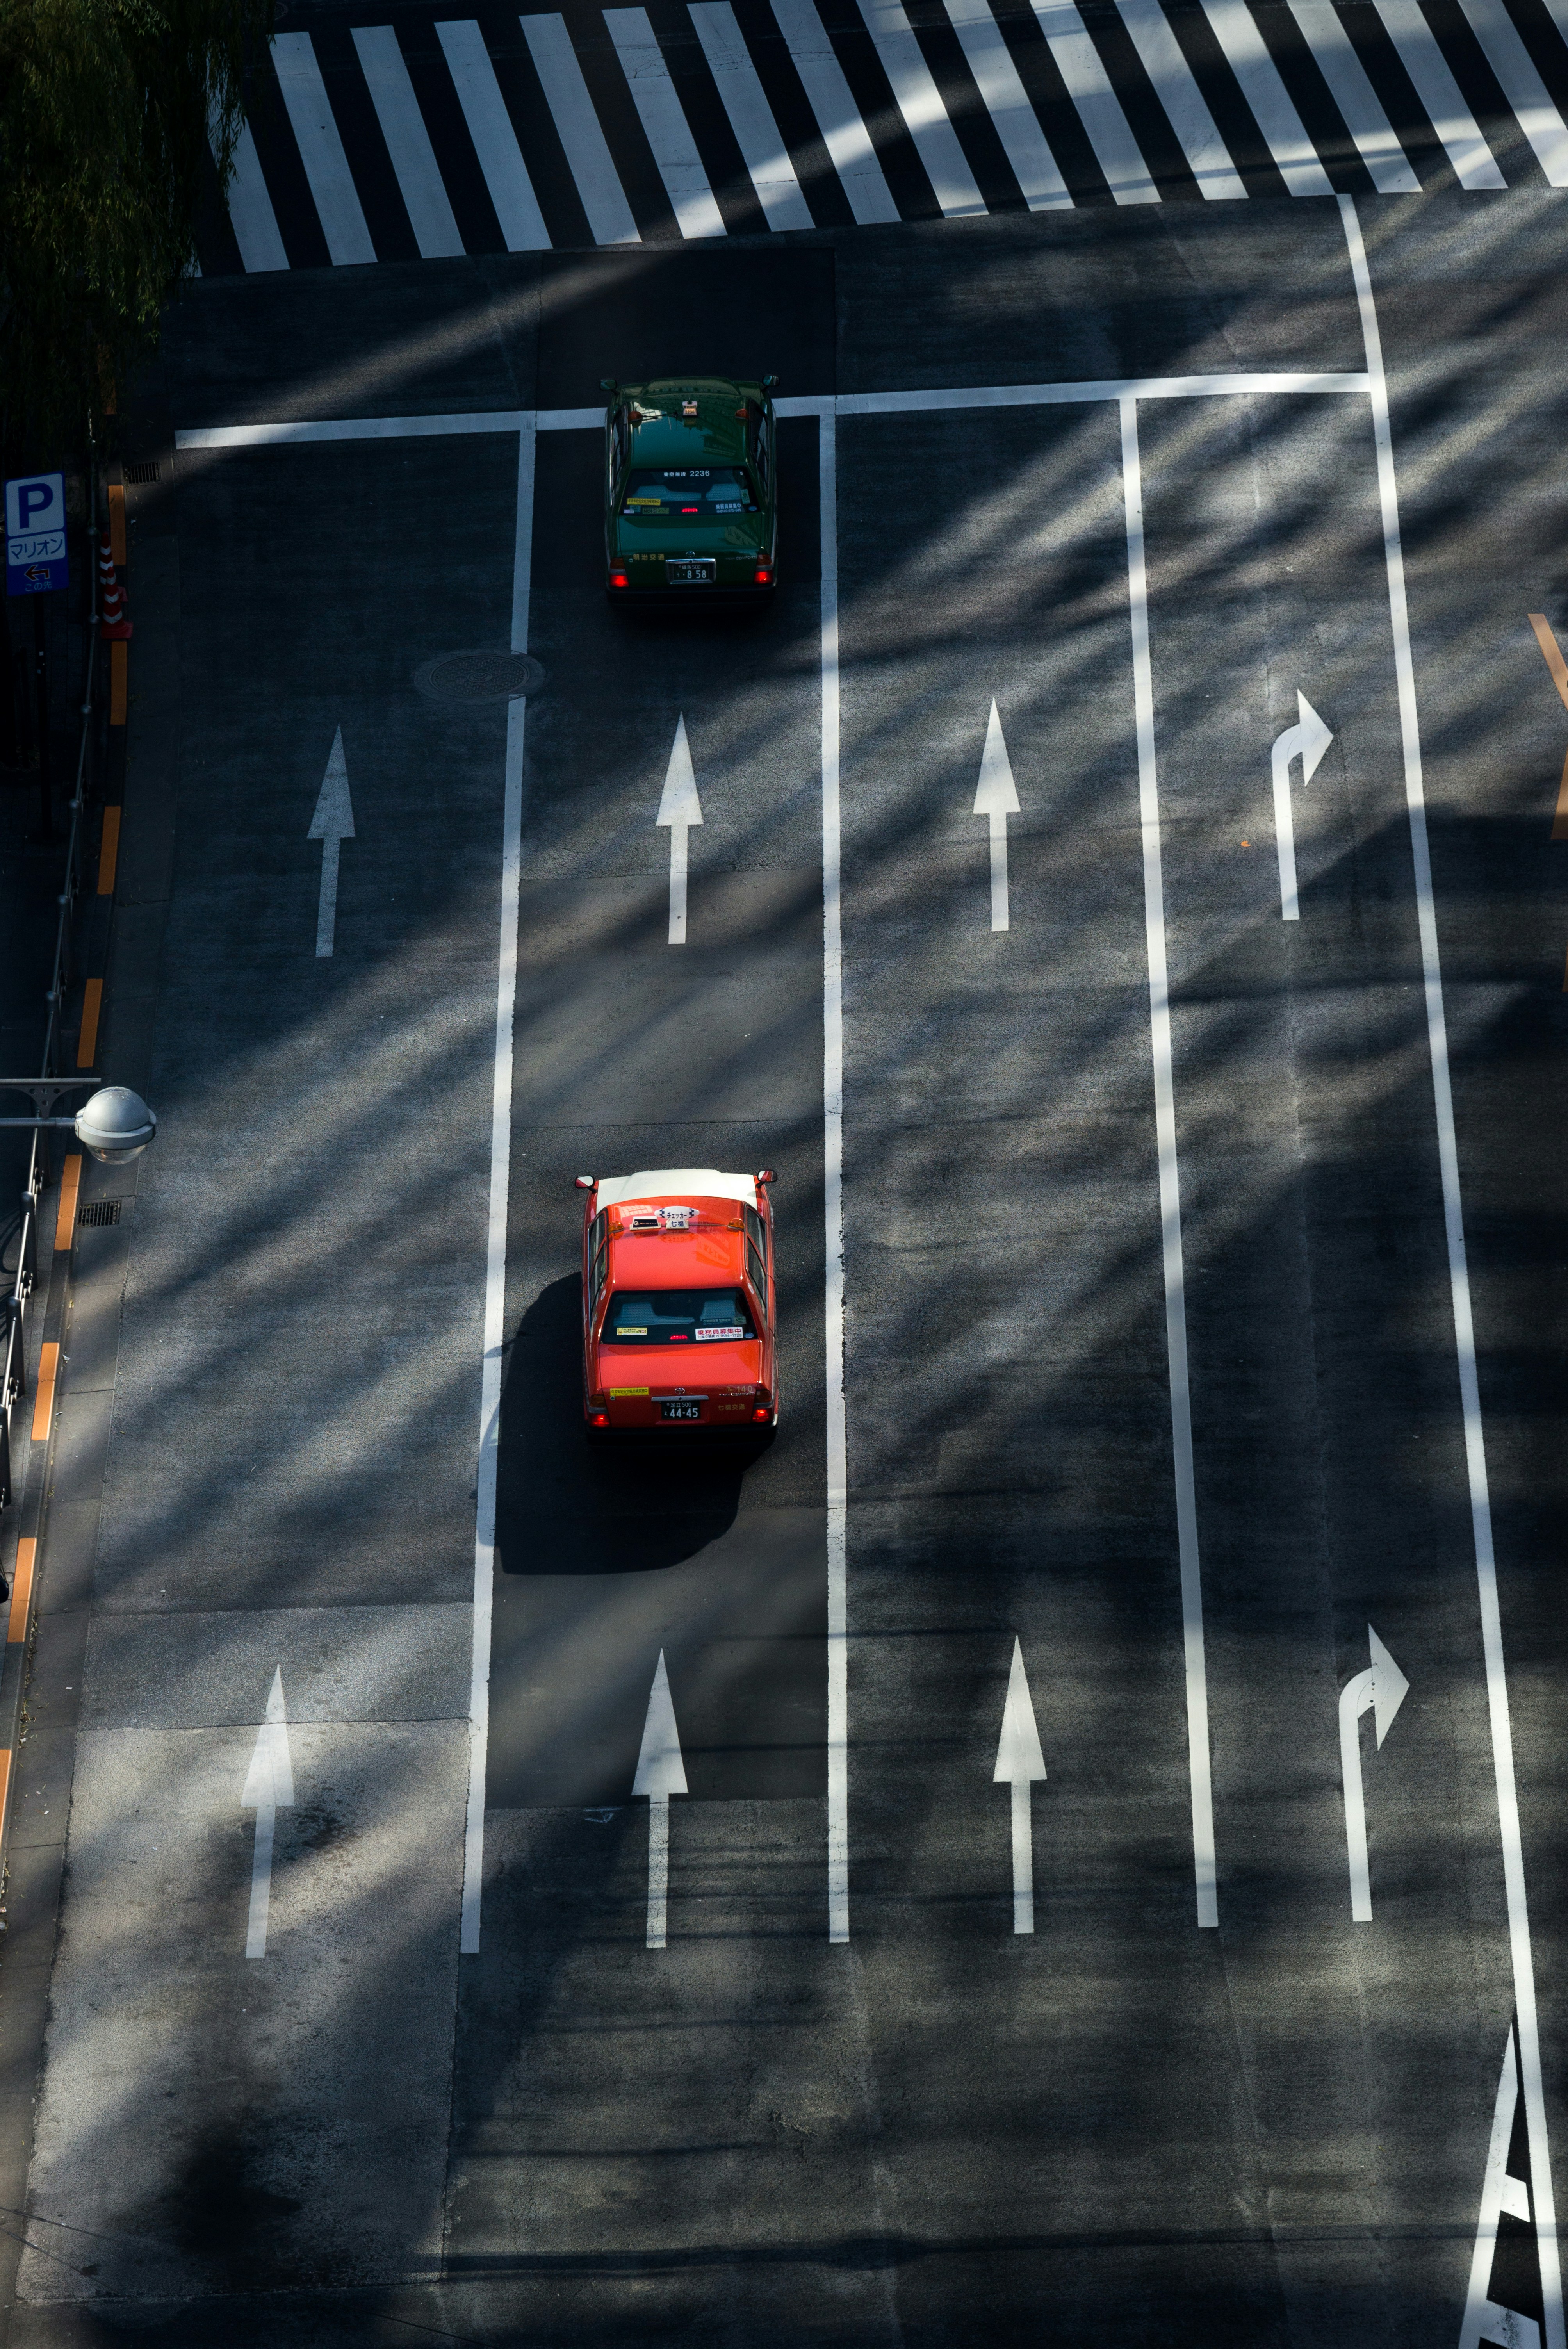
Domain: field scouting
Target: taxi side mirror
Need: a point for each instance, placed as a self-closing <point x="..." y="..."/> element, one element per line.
<point x="586" y="1182"/>
<point x="765" y="1174"/>
<point x="768" y="381"/>
<point x="606" y="383"/>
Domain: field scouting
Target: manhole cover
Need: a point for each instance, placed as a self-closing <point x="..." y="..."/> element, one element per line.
<point x="477" y="676"/>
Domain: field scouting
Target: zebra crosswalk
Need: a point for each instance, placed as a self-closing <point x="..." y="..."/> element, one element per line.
<point x="435" y="136"/>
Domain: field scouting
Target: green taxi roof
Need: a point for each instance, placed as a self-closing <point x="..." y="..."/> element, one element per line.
<point x="661" y="435"/>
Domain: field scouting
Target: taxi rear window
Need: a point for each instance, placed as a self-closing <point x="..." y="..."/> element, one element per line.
<point x="677" y="1317"/>
<point x="688" y="489"/>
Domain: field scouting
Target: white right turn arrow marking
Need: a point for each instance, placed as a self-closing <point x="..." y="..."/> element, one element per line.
<point x="660" y="1773"/>
<point x="1307" y="740"/>
<point x="1019" y="1762"/>
<point x="679" y="807"/>
<point x="997" y="798"/>
<point x="1383" y="1689"/>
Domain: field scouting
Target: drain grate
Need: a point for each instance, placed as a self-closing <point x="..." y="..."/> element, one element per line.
<point x="146" y="471"/>
<point x="99" y="1211"/>
<point x="477" y="676"/>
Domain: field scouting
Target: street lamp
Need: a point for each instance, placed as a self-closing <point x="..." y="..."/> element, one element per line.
<point x="115" y="1126"/>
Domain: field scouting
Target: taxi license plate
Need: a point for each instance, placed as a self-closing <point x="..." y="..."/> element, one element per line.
<point x="680" y="1410"/>
<point x="689" y="575"/>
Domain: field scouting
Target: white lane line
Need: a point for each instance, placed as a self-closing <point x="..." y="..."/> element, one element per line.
<point x="1177" y="92"/>
<point x="577" y="126"/>
<point x="495" y="141"/>
<point x="990" y="61"/>
<point x="320" y="149"/>
<point x="251" y="213"/>
<point x="833" y="1207"/>
<point x="1521" y="86"/>
<point x="658" y="104"/>
<point x="920" y="102"/>
<point x="1464" y="1325"/>
<point x="1195" y="1668"/>
<point x="763" y="151"/>
<point x="1354" y="94"/>
<point x="495" y="1236"/>
<point x="844" y="135"/>
<point x="1235" y="29"/>
<point x="1475" y="166"/>
<point x="409" y="144"/>
<point x="1098" y="108"/>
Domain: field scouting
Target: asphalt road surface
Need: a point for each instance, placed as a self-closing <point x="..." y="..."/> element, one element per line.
<point x="1170" y="1288"/>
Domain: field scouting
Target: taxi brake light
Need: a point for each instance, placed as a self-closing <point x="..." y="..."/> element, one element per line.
<point x="598" y="1419"/>
<point x="619" y="579"/>
<point x="764" y="578"/>
<point x="760" y="1413"/>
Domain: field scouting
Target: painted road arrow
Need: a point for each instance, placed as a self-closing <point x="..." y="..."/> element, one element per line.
<point x="1019" y="1763"/>
<point x="660" y="1774"/>
<point x="996" y="799"/>
<point x="332" y="824"/>
<point x="1307" y="740"/>
<point x="269" y="1789"/>
<point x="1381" y="1688"/>
<point x="679" y="808"/>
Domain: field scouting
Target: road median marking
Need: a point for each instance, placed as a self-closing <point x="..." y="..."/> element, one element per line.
<point x="65" y="1221"/>
<point x="44" y="1410"/>
<point x="92" y="1005"/>
<point x="108" y="852"/>
<point x="21" y="1593"/>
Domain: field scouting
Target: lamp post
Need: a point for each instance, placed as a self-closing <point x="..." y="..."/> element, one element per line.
<point x="115" y="1126"/>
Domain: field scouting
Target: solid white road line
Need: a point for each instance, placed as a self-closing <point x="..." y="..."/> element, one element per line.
<point x="1195" y="1668"/>
<point x="833" y="1206"/>
<point x="1354" y="94"/>
<point x="577" y="126"/>
<point x="251" y="213"/>
<point x="320" y="149"/>
<point x="844" y="135"/>
<point x="409" y="144"/>
<point x="990" y="60"/>
<point x="658" y="104"/>
<point x="1235" y="29"/>
<point x="1098" y="108"/>
<point x="920" y="102"/>
<point x="495" y="141"/>
<point x="1177" y="92"/>
<point x="1475" y="166"/>
<point x="495" y="1238"/>
<point x="1521" y="86"/>
<point x="1464" y="1325"/>
<point x="763" y="151"/>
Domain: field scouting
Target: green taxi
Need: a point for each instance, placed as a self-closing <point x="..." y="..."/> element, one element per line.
<point x="690" y="489"/>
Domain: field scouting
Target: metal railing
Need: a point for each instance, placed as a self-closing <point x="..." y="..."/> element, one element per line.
<point x="15" y="1302"/>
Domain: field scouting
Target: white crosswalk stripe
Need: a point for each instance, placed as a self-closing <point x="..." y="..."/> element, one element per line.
<point x="320" y="149"/>
<point x="495" y="141"/>
<point x="844" y="135"/>
<point x="407" y="141"/>
<point x="753" y="62"/>
<point x="1474" y="160"/>
<point x="587" y="151"/>
<point x="920" y="102"/>
<point x="1180" y="95"/>
<point x="1355" y="97"/>
<point x="669" y="133"/>
<point x="1007" y="103"/>
<point x="763" y="151"/>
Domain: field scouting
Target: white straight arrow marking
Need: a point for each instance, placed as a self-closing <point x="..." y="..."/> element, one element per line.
<point x="996" y="799"/>
<point x="332" y="824"/>
<point x="679" y="807"/>
<point x="1382" y="1688"/>
<point x="1019" y="1763"/>
<point x="269" y="1788"/>
<point x="1307" y="740"/>
<point x="660" y="1774"/>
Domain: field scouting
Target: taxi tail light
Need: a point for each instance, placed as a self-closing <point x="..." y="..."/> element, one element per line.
<point x="763" y="1408"/>
<point x="620" y="579"/>
<point x="598" y="1419"/>
<point x="764" y="576"/>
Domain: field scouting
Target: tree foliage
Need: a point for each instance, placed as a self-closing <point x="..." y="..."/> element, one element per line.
<point x="108" y="110"/>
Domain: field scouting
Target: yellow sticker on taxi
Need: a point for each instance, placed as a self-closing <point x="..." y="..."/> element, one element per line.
<point x="616" y="1393"/>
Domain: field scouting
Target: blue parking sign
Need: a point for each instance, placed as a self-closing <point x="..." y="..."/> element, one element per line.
<point x="35" y="533"/>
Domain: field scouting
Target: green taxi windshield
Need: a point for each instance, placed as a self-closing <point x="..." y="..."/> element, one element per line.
<point x="686" y="491"/>
<point x="677" y="1317"/>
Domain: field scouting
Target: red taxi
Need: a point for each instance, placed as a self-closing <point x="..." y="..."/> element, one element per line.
<point x="677" y="1300"/>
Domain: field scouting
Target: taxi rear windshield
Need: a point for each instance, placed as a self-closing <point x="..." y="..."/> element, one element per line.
<point x="686" y="491"/>
<point x="677" y="1317"/>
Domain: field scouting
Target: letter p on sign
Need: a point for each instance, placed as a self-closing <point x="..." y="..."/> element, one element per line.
<point x="35" y="533"/>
